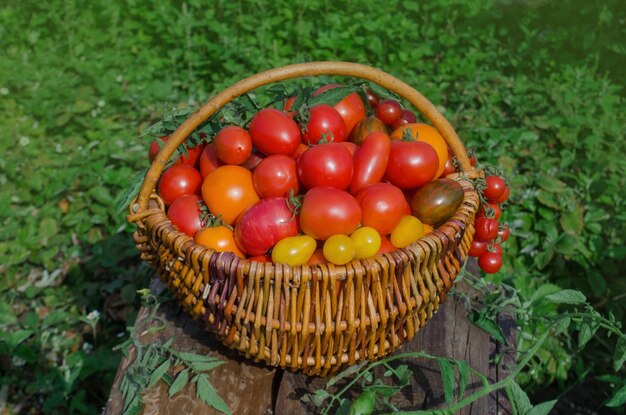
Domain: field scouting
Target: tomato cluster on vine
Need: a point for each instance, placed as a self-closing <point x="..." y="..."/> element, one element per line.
<point x="490" y="233"/>
<point x="301" y="183"/>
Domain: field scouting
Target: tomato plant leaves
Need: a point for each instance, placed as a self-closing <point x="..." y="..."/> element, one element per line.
<point x="206" y="393"/>
<point x="179" y="383"/>
<point x="620" y="353"/>
<point x="619" y="399"/>
<point x="567" y="297"/>
<point x="447" y="377"/>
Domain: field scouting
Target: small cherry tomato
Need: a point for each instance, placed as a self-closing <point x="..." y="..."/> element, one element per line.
<point x="504" y="233"/>
<point x="324" y="123"/>
<point x="219" y="238"/>
<point x="496" y="248"/>
<point x="274" y="132"/>
<point x="370" y="161"/>
<point x="327" y="164"/>
<point x="372" y="98"/>
<point x="276" y="175"/>
<point x="191" y="158"/>
<point x="233" y="144"/>
<point x="339" y="249"/>
<point x="389" y="111"/>
<point x="409" y="230"/>
<point x="448" y="168"/>
<point x="294" y="250"/>
<point x="504" y="196"/>
<point x="185" y="213"/>
<point x="209" y="161"/>
<point x="179" y="180"/>
<point x="490" y="210"/>
<point x="406" y="117"/>
<point x="229" y="191"/>
<point x="477" y="248"/>
<point x="366" y="242"/>
<point x="486" y="229"/>
<point x="494" y="188"/>
<point x="490" y="262"/>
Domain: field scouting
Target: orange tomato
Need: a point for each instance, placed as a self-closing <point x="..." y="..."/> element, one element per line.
<point x="427" y="134"/>
<point x="317" y="257"/>
<point x="228" y="191"/>
<point x="219" y="238"/>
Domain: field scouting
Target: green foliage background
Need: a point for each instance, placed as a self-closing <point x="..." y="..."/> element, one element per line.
<point x="533" y="85"/>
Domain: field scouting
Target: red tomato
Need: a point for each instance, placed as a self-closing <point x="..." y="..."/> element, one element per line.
<point x="179" y="180"/>
<point x="504" y="233"/>
<point x="486" y="229"/>
<point x="383" y="205"/>
<point x="495" y="188"/>
<point x="324" y="122"/>
<point x="229" y="191"/>
<point x="185" y="213"/>
<point x="289" y="102"/>
<point x="490" y="262"/>
<point x="449" y="166"/>
<point x="504" y="196"/>
<point x="276" y="175"/>
<point x="389" y="111"/>
<point x="274" y="132"/>
<point x="252" y="162"/>
<point x="317" y="257"/>
<point x="327" y="211"/>
<point x="350" y="146"/>
<point x="370" y="161"/>
<point x="385" y="246"/>
<point x="209" y="161"/>
<point x="477" y="248"/>
<point x="496" y="248"/>
<point x="411" y="164"/>
<point x="427" y="134"/>
<point x="192" y="153"/>
<point x="406" y="117"/>
<point x="372" y="98"/>
<point x="352" y="110"/>
<point x="326" y="165"/>
<point x="497" y="212"/>
<point x="259" y="228"/>
<point x="233" y="144"/>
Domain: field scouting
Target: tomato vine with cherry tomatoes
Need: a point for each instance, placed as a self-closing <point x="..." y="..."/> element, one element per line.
<point x="322" y="175"/>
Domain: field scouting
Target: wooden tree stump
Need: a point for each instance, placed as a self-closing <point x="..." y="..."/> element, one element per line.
<point x="250" y="388"/>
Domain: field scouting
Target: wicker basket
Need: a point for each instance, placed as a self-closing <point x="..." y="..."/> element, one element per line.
<point x="319" y="318"/>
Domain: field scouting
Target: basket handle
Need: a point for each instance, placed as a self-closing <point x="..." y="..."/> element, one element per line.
<point x="295" y="71"/>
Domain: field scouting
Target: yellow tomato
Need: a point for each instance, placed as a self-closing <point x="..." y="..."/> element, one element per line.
<point x="294" y="250"/>
<point x="366" y="242"/>
<point x="339" y="249"/>
<point x="409" y="230"/>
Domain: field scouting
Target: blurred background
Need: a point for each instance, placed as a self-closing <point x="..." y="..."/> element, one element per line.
<point x="534" y="86"/>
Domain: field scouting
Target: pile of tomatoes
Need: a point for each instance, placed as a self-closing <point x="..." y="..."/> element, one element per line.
<point x="490" y="233"/>
<point x="315" y="184"/>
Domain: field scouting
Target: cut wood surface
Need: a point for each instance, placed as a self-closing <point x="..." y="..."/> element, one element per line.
<point x="250" y="388"/>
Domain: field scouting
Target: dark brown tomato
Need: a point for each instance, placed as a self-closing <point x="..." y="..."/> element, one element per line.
<point x="365" y="128"/>
<point x="437" y="201"/>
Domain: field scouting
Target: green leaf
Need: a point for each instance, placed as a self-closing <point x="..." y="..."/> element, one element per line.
<point x="207" y="394"/>
<point x="179" y="383"/>
<point x="567" y="244"/>
<point x="102" y="195"/>
<point x="587" y="330"/>
<point x="487" y="324"/>
<point x="447" y="376"/>
<point x="463" y="376"/>
<point x="550" y="184"/>
<point x="158" y="373"/>
<point x="620" y="353"/>
<point x="206" y="366"/>
<point x="196" y="358"/>
<point x="48" y="227"/>
<point x="17" y="337"/>
<point x="543" y="408"/>
<point x="562" y="325"/>
<point x="567" y="297"/>
<point x="572" y="221"/>
<point x="346" y="373"/>
<point x="519" y="398"/>
<point x="548" y="199"/>
<point x="618" y="399"/>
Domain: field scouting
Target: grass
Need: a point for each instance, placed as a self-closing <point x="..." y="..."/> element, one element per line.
<point x="533" y="86"/>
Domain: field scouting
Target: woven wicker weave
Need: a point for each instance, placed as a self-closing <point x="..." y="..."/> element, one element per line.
<point x="319" y="318"/>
